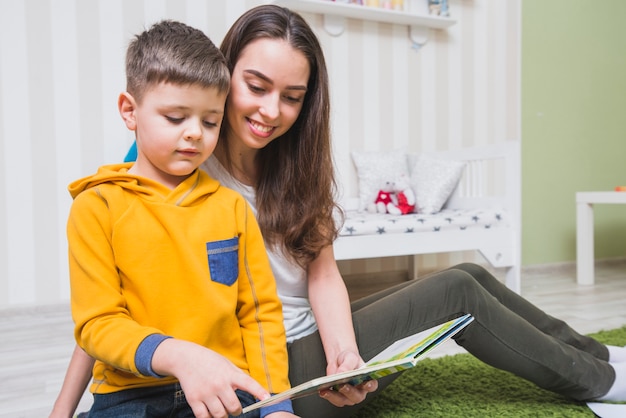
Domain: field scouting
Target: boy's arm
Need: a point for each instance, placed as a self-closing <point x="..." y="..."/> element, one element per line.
<point x="208" y="379"/>
<point x="103" y="326"/>
<point x="76" y="379"/>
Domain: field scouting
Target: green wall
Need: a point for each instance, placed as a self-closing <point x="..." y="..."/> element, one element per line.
<point x="573" y="124"/>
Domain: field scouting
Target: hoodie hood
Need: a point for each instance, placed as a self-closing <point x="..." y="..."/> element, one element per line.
<point x="195" y="187"/>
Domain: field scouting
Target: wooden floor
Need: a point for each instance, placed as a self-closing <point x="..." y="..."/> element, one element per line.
<point x="36" y="343"/>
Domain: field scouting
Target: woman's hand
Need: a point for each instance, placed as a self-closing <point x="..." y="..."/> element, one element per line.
<point x="347" y="394"/>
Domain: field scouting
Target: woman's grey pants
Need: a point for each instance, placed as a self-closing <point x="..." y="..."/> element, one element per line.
<point x="508" y="332"/>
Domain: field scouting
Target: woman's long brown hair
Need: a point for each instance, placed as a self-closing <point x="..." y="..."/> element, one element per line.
<point x="295" y="191"/>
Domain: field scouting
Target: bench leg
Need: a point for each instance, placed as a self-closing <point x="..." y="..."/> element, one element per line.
<point x="413" y="267"/>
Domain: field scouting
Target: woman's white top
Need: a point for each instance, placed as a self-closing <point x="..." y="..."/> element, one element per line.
<point x="291" y="279"/>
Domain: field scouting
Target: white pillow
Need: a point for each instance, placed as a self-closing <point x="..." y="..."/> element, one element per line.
<point x="433" y="181"/>
<point x="373" y="169"/>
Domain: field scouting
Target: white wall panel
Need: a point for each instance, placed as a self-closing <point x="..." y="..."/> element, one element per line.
<point x="18" y="155"/>
<point x="198" y="16"/>
<point x="155" y="10"/>
<point x="499" y="82"/>
<point x="337" y="57"/>
<point x="482" y="72"/>
<point x="66" y="133"/>
<point x="428" y="96"/>
<point x="398" y="88"/>
<point x="371" y="91"/>
<point x="455" y="71"/>
<point x="112" y="48"/>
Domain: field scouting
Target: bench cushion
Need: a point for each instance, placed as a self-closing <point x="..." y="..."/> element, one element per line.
<point x="363" y="223"/>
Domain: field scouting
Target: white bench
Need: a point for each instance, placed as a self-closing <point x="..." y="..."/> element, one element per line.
<point x="490" y="183"/>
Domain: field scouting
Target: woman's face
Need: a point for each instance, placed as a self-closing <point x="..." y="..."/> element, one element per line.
<point x="268" y="86"/>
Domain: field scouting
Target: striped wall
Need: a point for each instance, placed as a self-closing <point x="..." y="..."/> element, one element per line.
<point x="61" y="69"/>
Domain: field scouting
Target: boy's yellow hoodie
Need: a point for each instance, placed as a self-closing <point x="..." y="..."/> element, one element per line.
<point x="149" y="263"/>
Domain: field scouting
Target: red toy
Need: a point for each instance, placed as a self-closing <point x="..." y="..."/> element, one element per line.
<point x="396" y="198"/>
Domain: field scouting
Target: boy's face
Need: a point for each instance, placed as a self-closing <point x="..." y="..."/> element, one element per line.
<point x="176" y="128"/>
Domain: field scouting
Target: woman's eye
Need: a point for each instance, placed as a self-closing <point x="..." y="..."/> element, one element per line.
<point x="293" y="99"/>
<point x="255" y="89"/>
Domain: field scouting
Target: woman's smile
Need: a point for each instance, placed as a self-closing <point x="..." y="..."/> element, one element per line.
<point x="260" y="129"/>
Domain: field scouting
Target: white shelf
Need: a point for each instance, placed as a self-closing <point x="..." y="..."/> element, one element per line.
<point x="335" y="14"/>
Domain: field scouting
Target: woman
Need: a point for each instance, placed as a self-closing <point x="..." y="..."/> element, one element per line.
<point x="275" y="150"/>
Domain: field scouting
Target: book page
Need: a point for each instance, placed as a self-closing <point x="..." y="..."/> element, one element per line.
<point x="403" y="345"/>
<point x="421" y="342"/>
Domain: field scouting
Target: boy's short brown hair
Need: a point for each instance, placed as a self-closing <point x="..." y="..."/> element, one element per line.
<point x="174" y="52"/>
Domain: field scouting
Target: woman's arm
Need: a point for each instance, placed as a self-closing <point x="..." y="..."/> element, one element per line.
<point x="76" y="379"/>
<point x="331" y="306"/>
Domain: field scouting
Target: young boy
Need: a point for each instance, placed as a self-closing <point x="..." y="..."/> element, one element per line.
<point x="171" y="289"/>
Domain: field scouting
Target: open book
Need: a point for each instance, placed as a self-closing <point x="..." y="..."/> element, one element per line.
<point x="401" y="355"/>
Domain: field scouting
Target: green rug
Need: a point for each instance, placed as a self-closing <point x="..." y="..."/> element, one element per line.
<point x="461" y="386"/>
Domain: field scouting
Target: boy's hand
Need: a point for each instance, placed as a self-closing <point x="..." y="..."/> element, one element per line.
<point x="347" y="394"/>
<point x="208" y="379"/>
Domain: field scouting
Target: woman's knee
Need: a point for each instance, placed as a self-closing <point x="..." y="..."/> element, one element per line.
<point x="471" y="268"/>
<point x="456" y="280"/>
<point x="479" y="273"/>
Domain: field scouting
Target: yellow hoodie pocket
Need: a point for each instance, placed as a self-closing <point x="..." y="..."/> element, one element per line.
<point x="223" y="260"/>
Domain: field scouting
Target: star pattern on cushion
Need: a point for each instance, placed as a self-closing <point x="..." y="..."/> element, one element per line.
<point x="363" y="223"/>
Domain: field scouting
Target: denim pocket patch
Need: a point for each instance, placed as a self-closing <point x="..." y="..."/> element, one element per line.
<point x="223" y="260"/>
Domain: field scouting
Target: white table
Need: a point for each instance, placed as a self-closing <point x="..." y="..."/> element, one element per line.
<point x="584" y="230"/>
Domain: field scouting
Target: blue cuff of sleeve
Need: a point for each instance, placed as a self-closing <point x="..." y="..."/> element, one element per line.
<point x="145" y="351"/>
<point x="284" y="406"/>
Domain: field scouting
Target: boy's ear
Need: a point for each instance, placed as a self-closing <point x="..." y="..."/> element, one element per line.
<point x="126" y="106"/>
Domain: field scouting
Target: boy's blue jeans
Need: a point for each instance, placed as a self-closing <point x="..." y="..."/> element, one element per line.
<point x="157" y="401"/>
